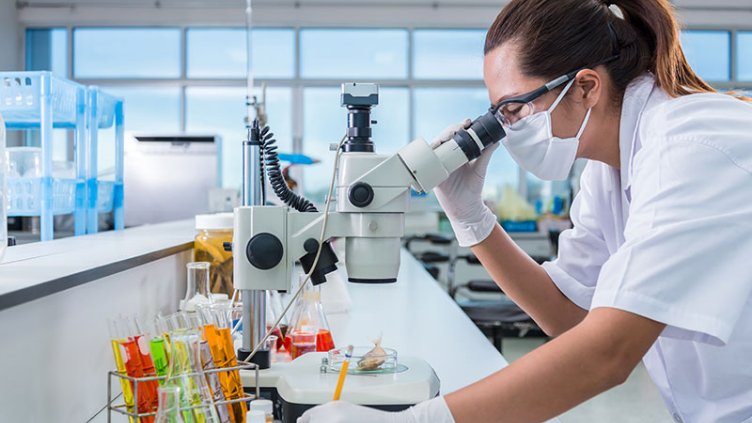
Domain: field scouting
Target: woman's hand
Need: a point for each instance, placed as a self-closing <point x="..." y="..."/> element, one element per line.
<point x="432" y="411"/>
<point x="460" y="195"/>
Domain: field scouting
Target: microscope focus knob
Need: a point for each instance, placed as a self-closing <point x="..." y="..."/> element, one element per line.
<point x="264" y="251"/>
<point x="361" y="194"/>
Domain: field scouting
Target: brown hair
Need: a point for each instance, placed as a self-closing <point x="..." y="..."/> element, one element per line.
<point x="558" y="36"/>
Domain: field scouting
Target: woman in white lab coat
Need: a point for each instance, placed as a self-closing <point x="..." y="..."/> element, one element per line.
<point x="657" y="267"/>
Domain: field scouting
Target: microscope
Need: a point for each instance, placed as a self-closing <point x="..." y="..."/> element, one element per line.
<point x="372" y="196"/>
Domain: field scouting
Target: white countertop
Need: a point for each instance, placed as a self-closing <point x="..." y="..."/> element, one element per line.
<point x="417" y="318"/>
<point x="31" y="271"/>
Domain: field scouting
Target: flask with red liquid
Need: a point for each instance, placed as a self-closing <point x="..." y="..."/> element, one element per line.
<point x="310" y="329"/>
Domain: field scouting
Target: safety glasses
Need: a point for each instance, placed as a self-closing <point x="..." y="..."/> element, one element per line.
<point x="514" y="109"/>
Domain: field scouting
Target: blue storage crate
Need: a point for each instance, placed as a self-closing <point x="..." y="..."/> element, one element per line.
<point x="103" y="196"/>
<point x="25" y="196"/>
<point x="41" y="100"/>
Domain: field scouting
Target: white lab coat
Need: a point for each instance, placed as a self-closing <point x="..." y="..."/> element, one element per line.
<point x="668" y="236"/>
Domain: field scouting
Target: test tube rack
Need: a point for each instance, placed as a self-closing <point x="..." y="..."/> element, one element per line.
<point x="122" y="408"/>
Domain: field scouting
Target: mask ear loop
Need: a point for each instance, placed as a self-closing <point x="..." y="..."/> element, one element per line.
<point x="584" y="123"/>
<point x="561" y="96"/>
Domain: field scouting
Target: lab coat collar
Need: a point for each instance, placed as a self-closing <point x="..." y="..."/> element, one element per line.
<point x="635" y="99"/>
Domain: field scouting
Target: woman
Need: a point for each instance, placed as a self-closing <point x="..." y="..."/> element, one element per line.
<point x="656" y="267"/>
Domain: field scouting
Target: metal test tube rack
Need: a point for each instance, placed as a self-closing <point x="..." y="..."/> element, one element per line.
<point x="136" y="381"/>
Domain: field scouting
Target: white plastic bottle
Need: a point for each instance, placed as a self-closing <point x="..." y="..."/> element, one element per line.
<point x="3" y="193"/>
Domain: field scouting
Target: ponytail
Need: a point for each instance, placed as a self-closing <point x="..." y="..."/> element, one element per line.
<point x="654" y="21"/>
<point x="555" y="37"/>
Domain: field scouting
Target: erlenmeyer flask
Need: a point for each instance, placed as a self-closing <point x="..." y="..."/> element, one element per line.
<point x="197" y="286"/>
<point x="187" y="374"/>
<point x="169" y="405"/>
<point x="310" y="330"/>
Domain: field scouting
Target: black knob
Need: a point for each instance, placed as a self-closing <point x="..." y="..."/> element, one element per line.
<point x="227" y="246"/>
<point x="264" y="251"/>
<point x="311" y="246"/>
<point x="361" y="194"/>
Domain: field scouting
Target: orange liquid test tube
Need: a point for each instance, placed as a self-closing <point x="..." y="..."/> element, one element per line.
<point x="221" y="360"/>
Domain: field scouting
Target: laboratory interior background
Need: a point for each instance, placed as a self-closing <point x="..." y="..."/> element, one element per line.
<point x="126" y="152"/>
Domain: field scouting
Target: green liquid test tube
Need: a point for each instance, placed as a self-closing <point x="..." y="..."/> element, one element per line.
<point x="159" y="355"/>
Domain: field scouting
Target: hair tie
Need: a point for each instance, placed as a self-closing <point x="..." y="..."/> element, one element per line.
<point x="615" y="9"/>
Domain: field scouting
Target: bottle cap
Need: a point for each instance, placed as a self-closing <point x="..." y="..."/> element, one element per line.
<point x="217" y="221"/>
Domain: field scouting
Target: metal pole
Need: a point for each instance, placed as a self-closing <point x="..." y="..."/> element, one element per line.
<point x="254" y="301"/>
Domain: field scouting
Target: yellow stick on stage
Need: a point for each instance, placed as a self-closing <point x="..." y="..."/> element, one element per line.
<point x="342" y="374"/>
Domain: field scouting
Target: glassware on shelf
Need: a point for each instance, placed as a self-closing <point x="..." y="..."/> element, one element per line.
<point x="169" y="405"/>
<point x="310" y="330"/>
<point x="41" y="101"/>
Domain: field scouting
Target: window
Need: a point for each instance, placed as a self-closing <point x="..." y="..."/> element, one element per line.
<point x="221" y="110"/>
<point x="126" y="53"/>
<point x="47" y="50"/>
<point x="220" y="53"/>
<point x="325" y="122"/>
<point x="353" y="53"/>
<point x="154" y="110"/>
<point x="432" y="115"/>
<point x="448" y="54"/>
<point x="744" y="56"/>
<point x="709" y="53"/>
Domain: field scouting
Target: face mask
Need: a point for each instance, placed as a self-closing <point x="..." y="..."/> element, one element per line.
<point x="533" y="146"/>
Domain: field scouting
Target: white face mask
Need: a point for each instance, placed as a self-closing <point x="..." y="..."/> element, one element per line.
<point x="533" y="146"/>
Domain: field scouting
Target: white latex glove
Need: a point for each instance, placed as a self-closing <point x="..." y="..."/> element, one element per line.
<point x="432" y="411"/>
<point x="460" y="195"/>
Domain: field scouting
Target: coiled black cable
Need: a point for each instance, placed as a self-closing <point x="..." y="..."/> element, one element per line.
<point x="270" y="164"/>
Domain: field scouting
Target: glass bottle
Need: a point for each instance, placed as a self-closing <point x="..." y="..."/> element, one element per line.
<point x="310" y="331"/>
<point x="169" y="405"/>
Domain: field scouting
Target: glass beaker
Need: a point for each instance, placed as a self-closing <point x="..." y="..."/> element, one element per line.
<point x="310" y="330"/>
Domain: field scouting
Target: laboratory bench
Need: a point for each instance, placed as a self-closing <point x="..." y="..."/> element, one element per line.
<point x="56" y="297"/>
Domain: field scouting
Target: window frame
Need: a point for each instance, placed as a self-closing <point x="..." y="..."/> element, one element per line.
<point x="297" y="83"/>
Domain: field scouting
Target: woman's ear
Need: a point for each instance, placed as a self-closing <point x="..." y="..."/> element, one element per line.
<point x="588" y="88"/>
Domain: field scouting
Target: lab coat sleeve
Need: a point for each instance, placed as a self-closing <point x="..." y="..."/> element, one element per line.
<point x="688" y="242"/>
<point x="582" y="249"/>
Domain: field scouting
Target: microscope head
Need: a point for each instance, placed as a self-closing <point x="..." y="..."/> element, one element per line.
<point x="359" y="98"/>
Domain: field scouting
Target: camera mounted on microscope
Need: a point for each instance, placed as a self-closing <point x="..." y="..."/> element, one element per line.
<point x="359" y="99"/>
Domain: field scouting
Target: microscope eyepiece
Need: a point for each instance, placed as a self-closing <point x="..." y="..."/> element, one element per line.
<point x="484" y="131"/>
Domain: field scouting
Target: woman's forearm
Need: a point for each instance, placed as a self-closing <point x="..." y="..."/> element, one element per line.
<point x="595" y="356"/>
<point x="527" y="283"/>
